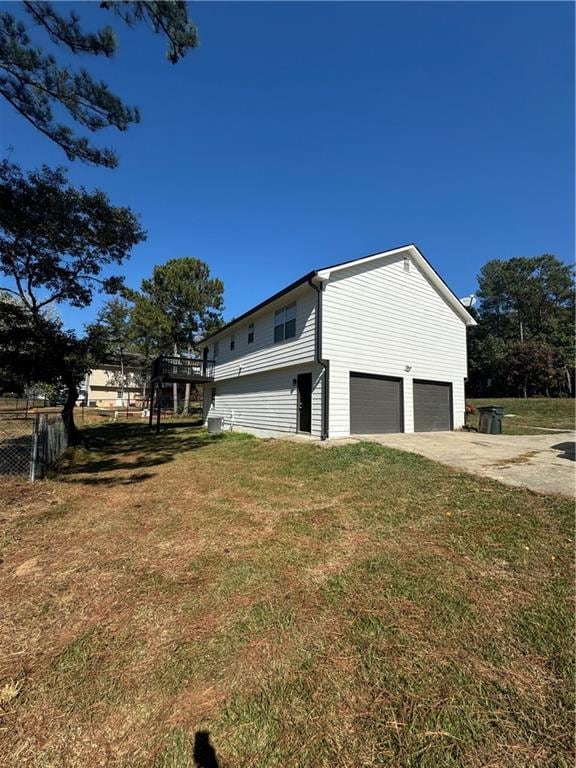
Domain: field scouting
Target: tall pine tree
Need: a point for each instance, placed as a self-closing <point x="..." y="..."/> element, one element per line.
<point x="180" y="303"/>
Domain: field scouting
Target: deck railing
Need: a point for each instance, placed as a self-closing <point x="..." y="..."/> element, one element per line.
<point x="182" y="369"/>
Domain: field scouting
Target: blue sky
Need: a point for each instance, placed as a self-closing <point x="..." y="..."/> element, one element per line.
<point x="302" y="134"/>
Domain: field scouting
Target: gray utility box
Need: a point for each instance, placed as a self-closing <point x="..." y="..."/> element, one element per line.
<point x="490" y="421"/>
<point x="215" y="424"/>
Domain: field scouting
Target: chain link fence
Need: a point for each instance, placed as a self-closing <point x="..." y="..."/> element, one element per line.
<point x="30" y="444"/>
<point x="22" y="403"/>
<point x="16" y="439"/>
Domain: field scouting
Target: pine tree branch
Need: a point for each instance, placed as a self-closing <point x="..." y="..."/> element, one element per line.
<point x="169" y="18"/>
<point x="68" y="32"/>
<point x="34" y="82"/>
<point x="66" y="99"/>
<point x="74" y="148"/>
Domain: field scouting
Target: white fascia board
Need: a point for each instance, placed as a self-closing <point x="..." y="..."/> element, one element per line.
<point x="411" y="251"/>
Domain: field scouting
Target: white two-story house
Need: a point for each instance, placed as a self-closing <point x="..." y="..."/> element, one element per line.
<point x="373" y="345"/>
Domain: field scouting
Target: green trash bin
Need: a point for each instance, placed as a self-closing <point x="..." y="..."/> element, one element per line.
<point x="490" y="421"/>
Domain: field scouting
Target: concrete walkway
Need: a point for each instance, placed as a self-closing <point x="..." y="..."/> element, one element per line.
<point x="543" y="463"/>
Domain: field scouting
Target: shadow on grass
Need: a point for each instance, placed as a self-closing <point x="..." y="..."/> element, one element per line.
<point x="180" y="750"/>
<point x="111" y="448"/>
<point x="568" y="450"/>
<point x="204" y="753"/>
<point x="137" y="477"/>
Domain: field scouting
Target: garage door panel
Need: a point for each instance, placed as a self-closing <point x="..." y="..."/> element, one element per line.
<point x="375" y="404"/>
<point x="432" y="406"/>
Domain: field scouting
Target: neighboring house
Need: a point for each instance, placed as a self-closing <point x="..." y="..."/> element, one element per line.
<point x="373" y="345"/>
<point x="113" y="385"/>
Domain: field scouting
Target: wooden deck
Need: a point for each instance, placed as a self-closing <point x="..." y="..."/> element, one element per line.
<point x="181" y="370"/>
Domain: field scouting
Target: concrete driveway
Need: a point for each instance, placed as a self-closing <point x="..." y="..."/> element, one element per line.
<point x="543" y="463"/>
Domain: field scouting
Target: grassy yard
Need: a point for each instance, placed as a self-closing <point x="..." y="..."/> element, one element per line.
<point x="531" y="415"/>
<point x="308" y="607"/>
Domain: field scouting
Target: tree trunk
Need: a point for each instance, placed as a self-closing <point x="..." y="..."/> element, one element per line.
<point x="68" y="415"/>
<point x="568" y="380"/>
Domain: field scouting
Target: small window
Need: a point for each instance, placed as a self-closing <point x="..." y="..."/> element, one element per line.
<point x="250" y="333"/>
<point x="213" y="395"/>
<point x="285" y="323"/>
<point x="216" y="349"/>
<point x="232" y="342"/>
<point x="119" y="394"/>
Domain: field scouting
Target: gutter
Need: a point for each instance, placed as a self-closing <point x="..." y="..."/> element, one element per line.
<point x="320" y="360"/>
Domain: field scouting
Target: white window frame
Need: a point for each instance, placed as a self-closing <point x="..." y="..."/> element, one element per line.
<point x="285" y="322"/>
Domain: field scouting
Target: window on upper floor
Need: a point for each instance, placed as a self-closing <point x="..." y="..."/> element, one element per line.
<point x="232" y="342"/>
<point x="216" y="349"/>
<point x="285" y="323"/>
<point x="250" y="333"/>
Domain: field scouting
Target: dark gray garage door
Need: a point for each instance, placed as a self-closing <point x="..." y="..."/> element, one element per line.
<point x="375" y="404"/>
<point x="432" y="406"/>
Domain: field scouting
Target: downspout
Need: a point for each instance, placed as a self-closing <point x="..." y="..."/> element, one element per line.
<point x="320" y="360"/>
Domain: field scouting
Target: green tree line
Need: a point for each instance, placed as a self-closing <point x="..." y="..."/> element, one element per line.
<point x="523" y="344"/>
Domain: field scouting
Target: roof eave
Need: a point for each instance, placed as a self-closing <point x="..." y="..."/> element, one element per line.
<point x="322" y="275"/>
<point x="296" y="284"/>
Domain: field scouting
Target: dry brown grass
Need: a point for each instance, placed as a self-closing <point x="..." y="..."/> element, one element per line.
<point x="350" y="607"/>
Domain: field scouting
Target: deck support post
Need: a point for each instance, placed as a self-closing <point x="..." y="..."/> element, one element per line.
<point x="159" y="405"/>
<point x="151" y="404"/>
<point x="175" y="370"/>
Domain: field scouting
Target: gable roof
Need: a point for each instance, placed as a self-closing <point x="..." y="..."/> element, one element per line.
<point x="422" y="262"/>
<point x="324" y="273"/>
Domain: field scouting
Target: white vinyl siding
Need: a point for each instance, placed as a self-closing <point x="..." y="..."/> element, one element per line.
<point x="382" y="319"/>
<point x="263" y="354"/>
<point x="266" y="401"/>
